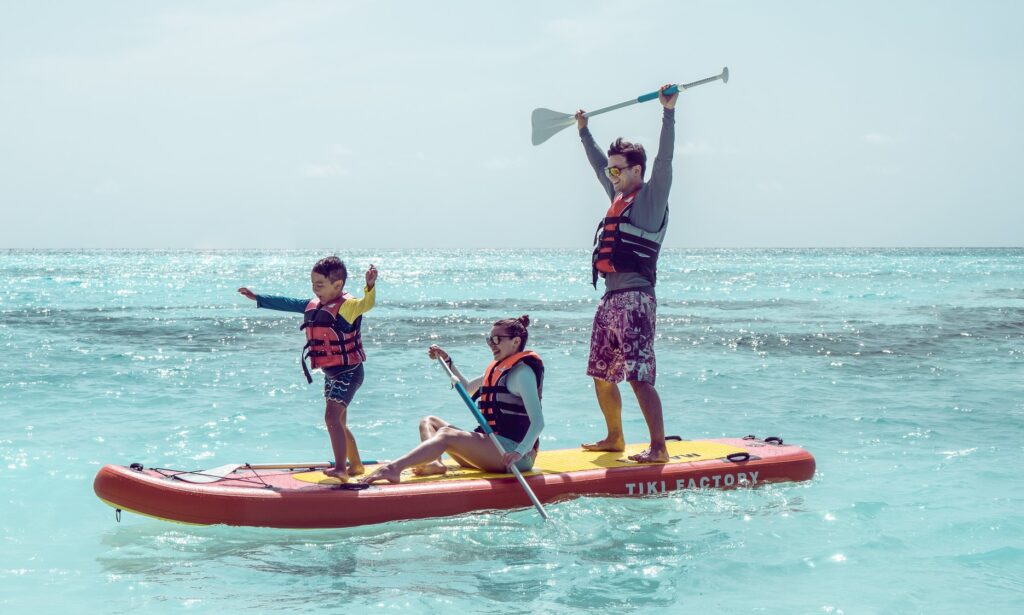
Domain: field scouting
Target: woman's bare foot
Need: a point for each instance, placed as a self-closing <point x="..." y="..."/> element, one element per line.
<point x="338" y="473"/>
<point x="612" y="445"/>
<point x="356" y="469"/>
<point x="651" y="455"/>
<point x="430" y="469"/>
<point x="385" y="472"/>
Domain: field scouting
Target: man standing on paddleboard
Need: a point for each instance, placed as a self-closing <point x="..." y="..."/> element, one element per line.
<point x="625" y="254"/>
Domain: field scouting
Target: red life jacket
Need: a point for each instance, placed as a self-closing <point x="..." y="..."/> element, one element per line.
<point x="619" y="246"/>
<point x="330" y="341"/>
<point x="504" y="410"/>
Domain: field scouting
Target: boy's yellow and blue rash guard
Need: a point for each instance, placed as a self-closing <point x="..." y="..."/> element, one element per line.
<point x="349" y="314"/>
<point x="349" y="311"/>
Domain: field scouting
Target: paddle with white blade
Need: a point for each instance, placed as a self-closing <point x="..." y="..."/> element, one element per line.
<point x="225" y="471"/>
<point x="546" y="123"/>
<point x="494" y="440"/>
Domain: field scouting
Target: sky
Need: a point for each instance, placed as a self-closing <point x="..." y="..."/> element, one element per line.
<point x="372" y="125"/>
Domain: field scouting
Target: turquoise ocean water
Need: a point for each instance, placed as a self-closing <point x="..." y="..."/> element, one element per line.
<point x="901" y="370"/>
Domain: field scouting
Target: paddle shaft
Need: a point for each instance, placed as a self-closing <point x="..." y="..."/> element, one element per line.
<point x="494" y="439"/>
<point x="313" y="465"/>
<point x="307" y="465"/>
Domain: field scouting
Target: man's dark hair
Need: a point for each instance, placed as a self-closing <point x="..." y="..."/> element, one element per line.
<point x="633" y="152"/>
<point x="332" y="268"/>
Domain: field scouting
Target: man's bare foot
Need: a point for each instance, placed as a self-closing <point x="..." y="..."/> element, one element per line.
<point x="651" y="455"/>
<point x="385" y="472"/>
<point x="356" y="469"/>
<point x="430" y="469"/>
<point x="338" y="473"/>
<point x="612" y="445"/>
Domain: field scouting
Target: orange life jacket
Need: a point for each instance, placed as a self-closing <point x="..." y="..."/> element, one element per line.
<point x="619" y="246"/>
<point x="503" y="410"/>
<point x="330" y="341"/>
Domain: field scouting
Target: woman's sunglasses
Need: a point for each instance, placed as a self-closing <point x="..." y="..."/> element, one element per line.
<point x="494" y="340"/>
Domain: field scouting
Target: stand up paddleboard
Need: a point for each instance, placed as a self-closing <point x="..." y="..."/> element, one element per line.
<point x="302" y="496"/>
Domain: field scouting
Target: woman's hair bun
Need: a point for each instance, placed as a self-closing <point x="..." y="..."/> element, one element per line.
<point x="525" y="319"/>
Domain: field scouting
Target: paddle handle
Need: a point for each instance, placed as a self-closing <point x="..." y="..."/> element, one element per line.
<point x="494" y="439"/>
<point x="724" y="76"/>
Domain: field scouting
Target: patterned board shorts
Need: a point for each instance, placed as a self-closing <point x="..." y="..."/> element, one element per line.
<point x="342" y="387"/>
<point x="622" y="341"/>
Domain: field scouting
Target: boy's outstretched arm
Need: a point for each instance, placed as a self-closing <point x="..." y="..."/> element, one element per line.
<point x="270" y="302"/>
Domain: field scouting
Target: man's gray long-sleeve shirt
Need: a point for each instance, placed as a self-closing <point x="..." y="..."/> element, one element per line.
<point x="650" y="207"/>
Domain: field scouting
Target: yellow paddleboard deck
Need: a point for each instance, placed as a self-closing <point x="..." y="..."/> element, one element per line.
<point x="562" y="461"/>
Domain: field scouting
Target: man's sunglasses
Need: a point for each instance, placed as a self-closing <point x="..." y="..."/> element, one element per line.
<point x="616" y="171"/>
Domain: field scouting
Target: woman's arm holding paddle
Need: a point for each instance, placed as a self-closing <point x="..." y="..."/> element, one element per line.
<point x="471" y="386"/>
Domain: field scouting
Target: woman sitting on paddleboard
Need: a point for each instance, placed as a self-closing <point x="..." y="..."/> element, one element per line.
<point x="508" y="395"/>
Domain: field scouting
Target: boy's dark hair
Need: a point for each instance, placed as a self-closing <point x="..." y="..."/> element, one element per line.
<point x="332" y="268"/>
<point x="516" y="327"/>
<point x="633" y="152"/>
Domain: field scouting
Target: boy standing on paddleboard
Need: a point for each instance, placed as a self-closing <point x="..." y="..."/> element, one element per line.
<point x="626" y="249"/>
<point x="332" y="324"/>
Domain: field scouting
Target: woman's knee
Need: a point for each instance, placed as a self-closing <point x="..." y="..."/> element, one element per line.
<point x="452" y="437"/>
<point x="431" y="421"/>
<point x="448" y="432"/>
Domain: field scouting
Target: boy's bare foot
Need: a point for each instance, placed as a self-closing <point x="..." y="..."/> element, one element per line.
<point x="356" y="469"/>
<point x="651" y="455"/>
<point x="338" y="473"/>
<point x="616" y="445"/>
<point x="430" y="469"/>
<point x="385" y="472"/>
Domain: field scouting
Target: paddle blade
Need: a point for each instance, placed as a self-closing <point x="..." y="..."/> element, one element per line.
<point x="208" y="476"/>
<point x="547" y="122"/>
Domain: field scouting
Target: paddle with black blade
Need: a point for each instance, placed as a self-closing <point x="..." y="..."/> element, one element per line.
<point x="546" y="123"/>
<point x="494" y="440"/>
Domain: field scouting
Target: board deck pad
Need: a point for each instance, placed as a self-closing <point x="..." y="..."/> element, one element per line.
<point x="557" y="462"/>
